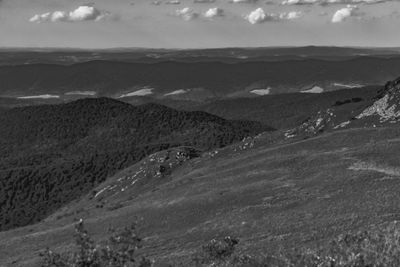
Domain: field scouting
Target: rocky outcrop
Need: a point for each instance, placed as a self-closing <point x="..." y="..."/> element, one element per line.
<point x="384" y="109"/>
<point x="314" y="125"/>
<point x="156" y="166"/>
<point x="387" y="107"/>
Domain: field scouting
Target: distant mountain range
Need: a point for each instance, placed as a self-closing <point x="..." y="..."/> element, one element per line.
<point x="13" y="56"/>
<point x="199" y="81"/>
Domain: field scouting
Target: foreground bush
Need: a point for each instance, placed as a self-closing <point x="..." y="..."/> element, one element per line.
<point x="119" y="251"/>
<point x="374" y="248"/>
<point x="379" y="247"/>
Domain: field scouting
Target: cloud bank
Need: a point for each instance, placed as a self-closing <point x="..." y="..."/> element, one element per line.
<point x="244" y="1"/>
<point x="259" y="16"/>
<point x="82" y="13"/>
<point x="332" y="2"/>
<point x="204" y="1"/>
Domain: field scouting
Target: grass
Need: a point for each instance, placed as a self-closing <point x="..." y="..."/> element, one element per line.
<point x="273" y="198"/>
<point x="379" y="246"/>
<point x="118" y="251"/>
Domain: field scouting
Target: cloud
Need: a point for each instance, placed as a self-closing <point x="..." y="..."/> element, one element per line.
<point x="214" y="12"/>
<point x="332" y="2"/>
<point x="82" y="13"/>
<point x="176" y="92"/>
<point x="259" y="16"/>
<point x="261" y="91"/>
<point x="243" y="1"/>
<point x="290" y="15"/>
<point x="173" y="2"/>
<point x="300" y="2"/>
<point x="352" y="2"/>
<point x="47" y="96"/>
<point x="314" y="90"/>
<point x="141" y="92"/>
<point x="204" y="1"/>
<point x="186" y="13"/>
<point x="344" y="13"/>
<point x="84" y="93"/>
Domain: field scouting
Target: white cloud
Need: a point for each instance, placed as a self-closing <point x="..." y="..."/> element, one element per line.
<point x="344" y="13"/>
<point x="141" y="92"/>
<point x="47" y="96"/>
<point x="261" y="91"/>
<point x="173" y="2"/>
<point x="314" y="90"/>
<point x="291" y="15"/>
<point x="84" y="93"/>
<point x="82" y="13"/>
<point x="214" y="12"/>
<point x="351" y="2"/>
<point x="331" y="2"/>
<point x="300" y="2"/>
<point x="186" y="13"/>
<point x="355" y="85"/>
<point x="259" y="16"/>
<point x="176" y="92"/>
<point x="243" y="1"/>
<point x="204" y="1"/>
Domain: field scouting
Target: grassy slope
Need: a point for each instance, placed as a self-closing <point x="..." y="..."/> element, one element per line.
<point x="285" y="195"/>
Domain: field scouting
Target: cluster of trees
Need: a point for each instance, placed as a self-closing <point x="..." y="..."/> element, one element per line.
<point x="50" y="155"/>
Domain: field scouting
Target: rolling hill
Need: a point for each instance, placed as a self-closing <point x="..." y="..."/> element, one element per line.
<point x="52" y="154"/>
<point x="273" y="197"/>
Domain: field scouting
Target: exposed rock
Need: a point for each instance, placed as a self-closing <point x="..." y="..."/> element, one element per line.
<point x="155" y="166"/>
<point x="313" y="125"/>
<point x="384" y="109"/>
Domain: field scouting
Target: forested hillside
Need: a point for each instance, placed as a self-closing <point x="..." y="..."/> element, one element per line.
<point x="52" y="154"/>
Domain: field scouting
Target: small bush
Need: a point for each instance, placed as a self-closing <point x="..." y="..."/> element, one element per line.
<point x="119" y="251"/>
<point x="378" y="247"/>
<point x="222" y="252"/>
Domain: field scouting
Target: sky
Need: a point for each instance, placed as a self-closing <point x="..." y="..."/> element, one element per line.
<point x="198" y="23"/>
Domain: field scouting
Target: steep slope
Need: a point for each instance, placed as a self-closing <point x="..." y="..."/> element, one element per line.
<point x="386" y="108"/>
<point x="51" y="154"/>
<point x="379" y="111"/>
<point x="272" y="197"/>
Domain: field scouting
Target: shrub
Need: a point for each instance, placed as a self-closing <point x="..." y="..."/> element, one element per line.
<point x="119" y="251"/>
<point x="377" y="247"/>
<point x="222" y="252"/>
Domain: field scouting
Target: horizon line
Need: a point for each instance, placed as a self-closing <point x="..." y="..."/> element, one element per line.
<point x="30" y="48"/>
